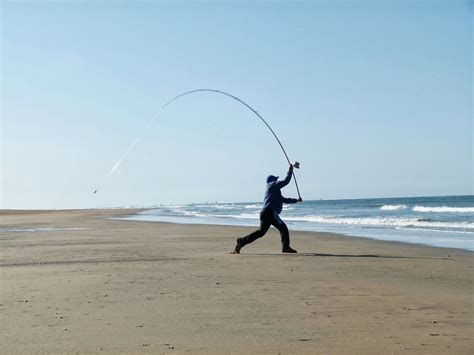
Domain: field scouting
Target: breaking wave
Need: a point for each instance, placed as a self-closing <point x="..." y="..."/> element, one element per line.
<point x="444" y="209"/>
<point x="254" y="206"/>
<point x="393" y="207"/>
<point x="437" y="221"/>
<point x="388" y="222"/>
<point x="217" y="206"/>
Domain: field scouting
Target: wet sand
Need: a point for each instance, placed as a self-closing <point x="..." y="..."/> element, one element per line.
<point x="99" y="285"/>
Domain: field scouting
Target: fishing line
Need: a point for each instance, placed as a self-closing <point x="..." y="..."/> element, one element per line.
<point x="124" y="155"/>
<point x="117" y="164"/>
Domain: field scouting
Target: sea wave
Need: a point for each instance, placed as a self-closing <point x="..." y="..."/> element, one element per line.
<point x="444" y="209"/>
<point x="377" y="222"/>
<point x="386" y="222"/>
<point x="248" y="215"/>
<point x="215" y="206"/>
<point x="253" y="206"/>
<point x="393" y="207"/>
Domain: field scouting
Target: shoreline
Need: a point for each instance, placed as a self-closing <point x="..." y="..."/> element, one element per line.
<point x="161" y="287"/>
<point x="441" y="222"/>
<point x="130" y="212"/>
<point x="338" y="234"/>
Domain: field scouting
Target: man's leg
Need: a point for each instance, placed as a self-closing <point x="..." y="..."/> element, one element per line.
<point x="285" y="235"/>
<point x="266" y="220"/>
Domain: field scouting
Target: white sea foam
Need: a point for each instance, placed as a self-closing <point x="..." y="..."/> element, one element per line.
<point x="386" y="222"/>
<point x="393" y="207"/>
<point x="444" y="209"/>
<point x="398" y="223"/>
<point x="382" y="222"/>
<point x="253" y="206"/>
<point x="248" y="215"/>
<point x="216" y="206"/>
<point x="194" y="214"/>
<point x="170" y="206"/>
<point x="232" y="216"/>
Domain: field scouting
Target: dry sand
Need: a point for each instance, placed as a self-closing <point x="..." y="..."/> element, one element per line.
<point x="124" y="286"/>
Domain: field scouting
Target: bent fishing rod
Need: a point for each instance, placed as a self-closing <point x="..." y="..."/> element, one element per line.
<point x="296" y="164"/>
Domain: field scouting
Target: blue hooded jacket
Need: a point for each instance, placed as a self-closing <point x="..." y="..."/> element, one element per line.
<point x="273" y="197"/>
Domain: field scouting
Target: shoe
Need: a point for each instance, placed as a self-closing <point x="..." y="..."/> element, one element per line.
<point x="288" y="250"/>
<point x="238" y="246"/>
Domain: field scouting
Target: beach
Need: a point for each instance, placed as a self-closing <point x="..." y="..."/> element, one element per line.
<point x="79" y="281"/>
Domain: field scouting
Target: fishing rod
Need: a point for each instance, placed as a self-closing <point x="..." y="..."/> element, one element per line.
<point x="296" y="164"/>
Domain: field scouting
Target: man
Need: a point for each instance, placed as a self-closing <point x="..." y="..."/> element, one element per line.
<point x="269" y="216"/>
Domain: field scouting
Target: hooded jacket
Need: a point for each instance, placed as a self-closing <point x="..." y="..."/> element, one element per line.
<point x="273" y="197"/>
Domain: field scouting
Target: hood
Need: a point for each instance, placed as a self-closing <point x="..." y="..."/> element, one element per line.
<point x="271" y="178"/>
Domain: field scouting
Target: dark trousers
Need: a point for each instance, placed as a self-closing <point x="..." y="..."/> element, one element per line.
<point x="267" y="219"/>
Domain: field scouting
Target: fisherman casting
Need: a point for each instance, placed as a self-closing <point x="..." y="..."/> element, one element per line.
<point x="269" y="216"/>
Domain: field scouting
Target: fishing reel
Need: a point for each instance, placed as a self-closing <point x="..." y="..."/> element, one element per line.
<point x="296" y="165"/>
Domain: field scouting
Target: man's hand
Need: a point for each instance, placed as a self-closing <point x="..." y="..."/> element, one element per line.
<point x="291" y="167"/>
<point x="300" y="199"/>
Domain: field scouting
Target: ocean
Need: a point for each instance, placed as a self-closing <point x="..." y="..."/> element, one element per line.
<point x="446" y="221"/>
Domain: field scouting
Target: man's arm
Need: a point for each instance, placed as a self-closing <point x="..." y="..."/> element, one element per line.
<point x="290" y="200"/>
<point x="286" y="181"/>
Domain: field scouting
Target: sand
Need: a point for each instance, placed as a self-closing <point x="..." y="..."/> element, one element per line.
<point x="110" y="286"/>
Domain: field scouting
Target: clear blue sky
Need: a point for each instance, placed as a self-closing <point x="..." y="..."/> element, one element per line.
<point x="373" y="98"/>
